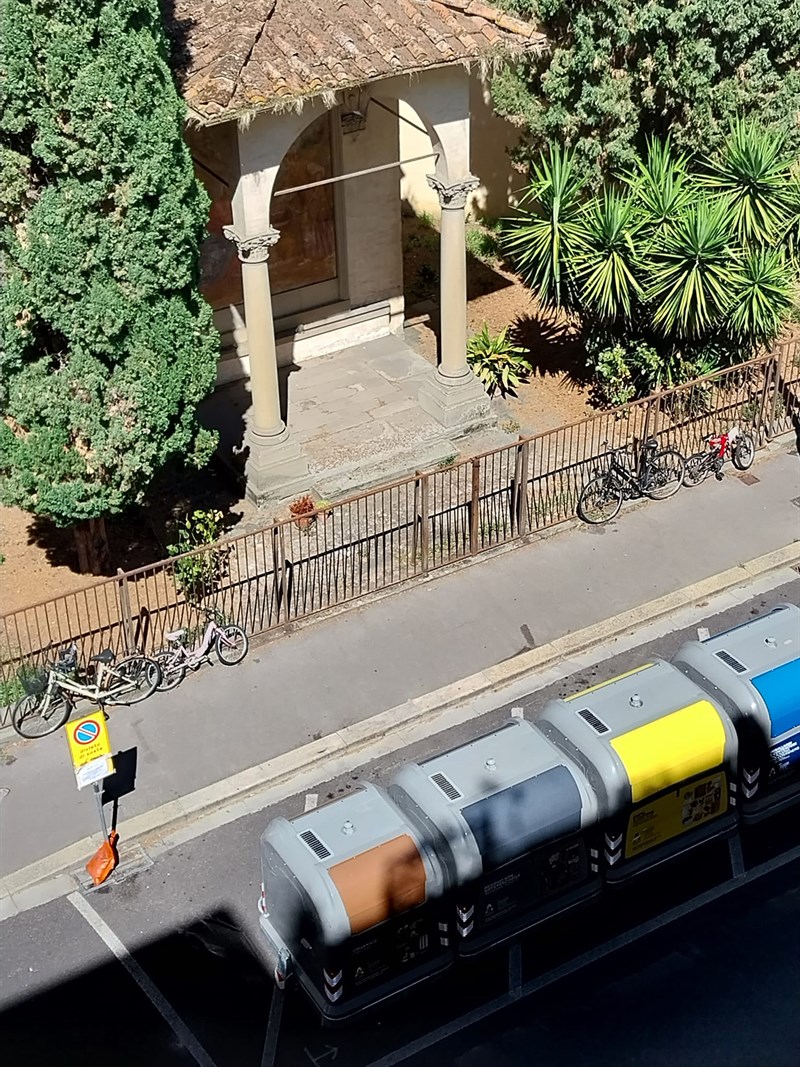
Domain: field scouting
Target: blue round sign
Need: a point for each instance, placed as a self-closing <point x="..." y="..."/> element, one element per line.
<point x="87" y="732"/>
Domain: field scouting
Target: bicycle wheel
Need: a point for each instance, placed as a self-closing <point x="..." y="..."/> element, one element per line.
<point x="31" y="719"/>
<point x="599" y="501"/>
<point x="665" y="474"/>
<point x="173" y="670"/>
<point x="231" y="645"/>
<point x="135" y="678"/>
<point x="697" y="469"/>
<point x="744" y="452"/>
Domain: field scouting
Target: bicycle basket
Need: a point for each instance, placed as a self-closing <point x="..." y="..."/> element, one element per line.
<point x="34" y="683"/>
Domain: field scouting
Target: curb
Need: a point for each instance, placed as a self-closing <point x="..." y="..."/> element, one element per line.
<point x="23" y="888"/>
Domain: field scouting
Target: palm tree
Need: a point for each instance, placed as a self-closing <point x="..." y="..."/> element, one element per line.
<point x="764" y="288"/>
<point x="755" y="178"/>
<point x="541" y="240"/>
<point x="606" y="257"/>
<point x="690" y="270"/>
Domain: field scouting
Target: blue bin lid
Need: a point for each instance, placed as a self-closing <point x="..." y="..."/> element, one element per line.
<point x="780" y="691"/>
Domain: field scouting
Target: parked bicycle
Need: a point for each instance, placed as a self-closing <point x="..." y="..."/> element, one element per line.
<point x="51" y="693"/>
<point x="736" y="445"/>
<point x="658" y="474"/>
<point x="229" y="642"/>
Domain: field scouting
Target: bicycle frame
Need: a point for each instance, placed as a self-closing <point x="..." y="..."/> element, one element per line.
<point x="196" y="656"/>
<point x="96" y="691"/>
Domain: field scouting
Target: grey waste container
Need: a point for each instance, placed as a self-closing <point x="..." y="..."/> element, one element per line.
<point x="515" y="822"/>
<point x="754" y="671"/>
<point x="352" y="903"/>
<point x="661" y="756"/>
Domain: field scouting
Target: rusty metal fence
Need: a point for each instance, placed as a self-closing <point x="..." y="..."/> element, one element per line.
<point x="294" y="568"/>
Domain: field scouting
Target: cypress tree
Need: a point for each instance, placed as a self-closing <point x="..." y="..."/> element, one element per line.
<point x="106" y="345"/>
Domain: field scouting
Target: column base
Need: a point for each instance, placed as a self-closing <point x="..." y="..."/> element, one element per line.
<point x="276" y="468"/>
<point x="459" y="404"/>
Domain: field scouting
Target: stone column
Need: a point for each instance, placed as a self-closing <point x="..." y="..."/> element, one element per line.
<point x="454" y="396"/>
<point x="276" y="466"/>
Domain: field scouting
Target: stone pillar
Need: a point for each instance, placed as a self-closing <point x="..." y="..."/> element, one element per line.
<point x="454" y="396"/>
<point x="276" y="466"/>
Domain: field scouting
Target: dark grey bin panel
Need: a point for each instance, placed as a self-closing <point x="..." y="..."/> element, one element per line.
<point x="518" y="819"/>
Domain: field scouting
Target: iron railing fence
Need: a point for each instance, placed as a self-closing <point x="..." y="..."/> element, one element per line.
<point x="294" y="568"/>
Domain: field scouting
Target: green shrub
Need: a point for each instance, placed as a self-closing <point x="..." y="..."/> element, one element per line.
<point x="497" y="361"/>
<point x="482" y="244"/>
<point x="199" y="574"/>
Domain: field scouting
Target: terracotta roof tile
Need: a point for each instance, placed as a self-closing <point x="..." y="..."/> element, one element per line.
<point x="235" y="55"/>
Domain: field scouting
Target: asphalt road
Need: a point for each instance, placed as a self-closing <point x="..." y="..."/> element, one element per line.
<point x="720" y="985"/>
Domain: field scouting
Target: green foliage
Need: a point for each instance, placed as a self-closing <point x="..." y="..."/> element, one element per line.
<point x="497" y="361"/>
<point x="482" y="243"/>
<point x="106" y="346"/>
<point x="618" y="71"/>
<point x="198" y="575"/>
<point x="673" y="271"/>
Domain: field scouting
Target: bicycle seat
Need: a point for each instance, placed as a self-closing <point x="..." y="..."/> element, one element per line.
<point x="175" y="635"/>
<point x="106" y="656"/>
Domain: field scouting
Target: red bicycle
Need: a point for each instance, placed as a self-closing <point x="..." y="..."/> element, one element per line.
<point x="735" y="445"/>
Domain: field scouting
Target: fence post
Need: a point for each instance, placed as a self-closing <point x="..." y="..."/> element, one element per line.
<point x="125" y="614"/>
<point x="777" y="384"/>
<point x="521" y="475"/>
<point x="425" y="544"/>
<point x="474" y="507"/>
<point x="639" y="445"/>
<point x="770" y="375"/>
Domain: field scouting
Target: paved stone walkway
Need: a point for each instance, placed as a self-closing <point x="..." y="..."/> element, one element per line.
<point x="355" y="412"/>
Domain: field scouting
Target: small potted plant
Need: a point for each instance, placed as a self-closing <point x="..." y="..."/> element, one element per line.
<point x="303" y="510"/>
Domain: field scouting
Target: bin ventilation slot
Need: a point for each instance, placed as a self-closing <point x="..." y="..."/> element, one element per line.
<point x="446" y="786"/>
<point x="322" y="852"/>
<point x="596" y="724"/>
<point x="731" y="661"/>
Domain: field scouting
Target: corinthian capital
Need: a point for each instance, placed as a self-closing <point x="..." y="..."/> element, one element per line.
<point x="252" y="249"/>
<point x="454" y="195"/>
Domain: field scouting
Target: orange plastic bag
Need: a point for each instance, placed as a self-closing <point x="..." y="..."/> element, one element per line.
<point x="104" y="860"/>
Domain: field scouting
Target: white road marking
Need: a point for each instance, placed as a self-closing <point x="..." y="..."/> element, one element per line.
<point x="312" y="800"/>
<point x="147" y="986"/>
<point x="518" y="713"/>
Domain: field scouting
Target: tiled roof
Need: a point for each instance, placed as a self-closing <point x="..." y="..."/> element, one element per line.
<point x="241" y="55"/>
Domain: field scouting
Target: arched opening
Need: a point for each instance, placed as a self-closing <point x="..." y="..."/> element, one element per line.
<point x="306" y="264"/>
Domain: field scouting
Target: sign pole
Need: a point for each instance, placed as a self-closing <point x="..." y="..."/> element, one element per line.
<point x="98" y="793"/>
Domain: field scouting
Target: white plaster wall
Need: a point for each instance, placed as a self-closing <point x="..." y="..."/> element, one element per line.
<point x="491" y="137"/>
<point x="372" y="210"/>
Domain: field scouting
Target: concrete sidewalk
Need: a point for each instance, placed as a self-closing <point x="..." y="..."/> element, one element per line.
<point x="339" y="671"/>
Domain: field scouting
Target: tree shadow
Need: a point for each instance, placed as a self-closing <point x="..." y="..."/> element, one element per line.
<point x="555" y="348"/>
<point x="141" y="535"/>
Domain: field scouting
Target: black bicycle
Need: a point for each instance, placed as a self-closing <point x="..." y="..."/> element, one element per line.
<point x="658" y="474"/>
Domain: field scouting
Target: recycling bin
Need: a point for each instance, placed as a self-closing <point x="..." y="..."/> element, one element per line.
<point x="352" y="903"/>
<point x="515" y="823"/>
<point x="661" y="756"/>
<point x="754" y="672"/>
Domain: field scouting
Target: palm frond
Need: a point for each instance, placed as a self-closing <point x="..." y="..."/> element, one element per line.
<point x="606" y="258"/>
<point x="754" y="177"/>
<point x="540" y="240"/>
<point x="690" y="270"/>
<point x="660" y="182"/>
<point x="763" y="296"/>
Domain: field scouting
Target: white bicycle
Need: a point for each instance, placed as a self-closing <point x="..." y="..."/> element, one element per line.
<point x="227" y="641"/>
<point x="51" y="693"/>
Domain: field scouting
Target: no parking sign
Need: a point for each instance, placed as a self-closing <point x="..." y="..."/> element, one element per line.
<point x="90" y="748"/>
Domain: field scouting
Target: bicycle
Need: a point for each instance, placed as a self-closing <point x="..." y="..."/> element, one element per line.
<point x="51" y="694"/>
<point x="658" y="475"/>
<point x="736" y="445"/>
<point x="229" y="642"/>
